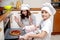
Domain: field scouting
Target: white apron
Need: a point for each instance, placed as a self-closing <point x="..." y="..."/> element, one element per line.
<point x="12" y="20"/>
<point x="2" y="31"/>
<point x="25" y="21"/>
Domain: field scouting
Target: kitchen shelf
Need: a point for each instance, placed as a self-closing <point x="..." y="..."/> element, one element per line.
<point x="56" y="2"/>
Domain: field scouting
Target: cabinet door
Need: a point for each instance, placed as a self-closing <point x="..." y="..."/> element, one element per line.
<point x="56" y="27"/>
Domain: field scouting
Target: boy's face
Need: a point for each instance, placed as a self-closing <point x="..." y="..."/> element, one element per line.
<point x="45" y="14"/>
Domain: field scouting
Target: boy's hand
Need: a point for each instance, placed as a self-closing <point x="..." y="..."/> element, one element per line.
<point x="26" y="36"/>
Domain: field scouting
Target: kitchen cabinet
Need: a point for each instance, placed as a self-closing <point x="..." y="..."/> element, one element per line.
<point x="1" y="8"/>
<point x="56" y="3"/>
<point x="56" y="26"/>
<point x="55" y="0"/>
<point x="1" y="11"/>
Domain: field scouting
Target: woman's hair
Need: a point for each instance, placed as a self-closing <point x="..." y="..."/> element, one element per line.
<point x="27" y="16"/>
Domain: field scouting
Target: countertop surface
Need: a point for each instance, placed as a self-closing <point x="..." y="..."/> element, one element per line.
<point x="32" y="9"/>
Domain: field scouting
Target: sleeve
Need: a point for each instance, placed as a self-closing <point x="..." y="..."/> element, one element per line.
<point x="47" y="27"/>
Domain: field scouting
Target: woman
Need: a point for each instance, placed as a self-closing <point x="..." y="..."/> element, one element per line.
<point x="26" y="19"/>
<point x="2" y="17"/>
<point x="26" y="15"/>
<point x="48" y="12"/>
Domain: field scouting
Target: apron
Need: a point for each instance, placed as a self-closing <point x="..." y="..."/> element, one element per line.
<point x="25" y="21"/>
<point x="2" y="31"/>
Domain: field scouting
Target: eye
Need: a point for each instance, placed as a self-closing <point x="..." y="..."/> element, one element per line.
<point x="46" y="12"/>
<point x="42" y="12"/>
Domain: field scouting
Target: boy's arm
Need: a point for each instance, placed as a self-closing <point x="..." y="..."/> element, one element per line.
<point x="39" y="35"/>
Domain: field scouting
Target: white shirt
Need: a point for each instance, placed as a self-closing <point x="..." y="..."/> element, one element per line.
<point x="2" y="32"/>
<point x="46" y="26"/>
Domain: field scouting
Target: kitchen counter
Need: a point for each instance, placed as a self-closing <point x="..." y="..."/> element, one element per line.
<point x="32" y="9"/>
<point x="14" y="9"/>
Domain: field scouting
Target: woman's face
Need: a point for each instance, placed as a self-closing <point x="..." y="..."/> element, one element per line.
<point x="24" y="12"/>
<point x="45" y="14"/>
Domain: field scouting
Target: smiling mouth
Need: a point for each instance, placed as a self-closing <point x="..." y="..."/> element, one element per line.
<point x="43" y="16"/>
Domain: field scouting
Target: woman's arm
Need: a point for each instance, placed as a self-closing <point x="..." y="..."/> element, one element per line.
<point x="2" y="17"/>
<point x="30" y="20"/>
<point x="19" y="23"/>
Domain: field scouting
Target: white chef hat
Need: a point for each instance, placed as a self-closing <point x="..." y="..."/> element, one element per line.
<point x="25" y="7"/>
<point x="49" y="8"/>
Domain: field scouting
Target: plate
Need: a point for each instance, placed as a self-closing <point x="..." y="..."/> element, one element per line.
<point x="14" y="32"/>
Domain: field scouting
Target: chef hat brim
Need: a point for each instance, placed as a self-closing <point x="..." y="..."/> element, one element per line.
<point x="25" y="7"/>
<point x="47" y="9"/>
<point x="52" y="9"/>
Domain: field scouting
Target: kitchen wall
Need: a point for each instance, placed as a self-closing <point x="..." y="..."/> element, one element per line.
<point x="9" y="2"/>
<point x="36" y="3"/>
<point x="32" y="3"/>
